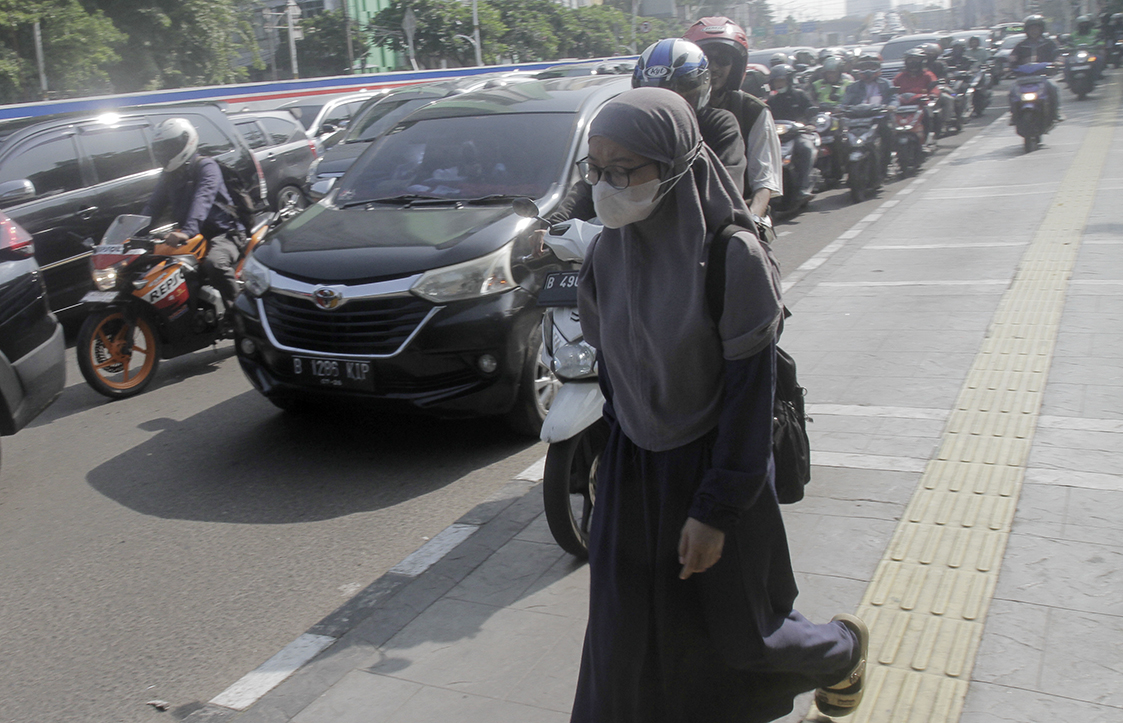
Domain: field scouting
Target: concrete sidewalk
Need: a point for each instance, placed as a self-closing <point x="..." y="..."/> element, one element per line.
<point x="961" y="350"/>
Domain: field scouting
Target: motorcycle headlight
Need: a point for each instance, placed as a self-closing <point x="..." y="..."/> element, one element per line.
<point x="1029" y="96"/>
<point x="573" y="360"/>
<point x="256" y="277"/>
<point x="486" y="275"/>
<point x="822" y="123"/>
<point x="105" y="279"/>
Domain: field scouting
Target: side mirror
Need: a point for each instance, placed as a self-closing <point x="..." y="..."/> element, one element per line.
<point x="319" y="189"/>
<point x="16" y="191"/>
<point x="525" y="207"/>
<point x="328" y="128"/>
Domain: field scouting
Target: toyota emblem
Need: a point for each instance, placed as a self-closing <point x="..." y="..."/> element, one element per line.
<point x="326" y="298"/>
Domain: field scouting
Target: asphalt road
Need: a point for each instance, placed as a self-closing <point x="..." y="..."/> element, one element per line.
<point x="159" y="548"/>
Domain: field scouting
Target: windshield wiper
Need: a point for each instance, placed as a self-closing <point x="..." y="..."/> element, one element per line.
<point x="494" y="198"/>
<point x="406" y="199"/>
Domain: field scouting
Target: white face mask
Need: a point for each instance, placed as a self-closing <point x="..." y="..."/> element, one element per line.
<point x="617" y="208"/>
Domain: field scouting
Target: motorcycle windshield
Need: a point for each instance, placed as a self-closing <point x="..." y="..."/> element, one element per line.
<point x="123" y="227"/>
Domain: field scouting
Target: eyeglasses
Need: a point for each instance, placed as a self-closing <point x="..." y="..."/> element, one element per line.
<point x="615" y="176"/>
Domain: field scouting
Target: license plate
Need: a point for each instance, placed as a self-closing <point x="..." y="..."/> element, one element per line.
<point x="336" y="373"/>
<point x="559" y="289"/>
<point x="1081" y="67"/>
<point x="100" y="297"/>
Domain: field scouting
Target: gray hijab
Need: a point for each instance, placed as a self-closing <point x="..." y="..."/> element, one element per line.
<point x="642" y="293"/>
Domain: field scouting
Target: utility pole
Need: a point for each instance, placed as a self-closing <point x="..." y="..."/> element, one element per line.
<point x="291" y="9"/>
<point x="39" y="59"/>
<point x="347" y="29"/>
<point x="476" y="31"/>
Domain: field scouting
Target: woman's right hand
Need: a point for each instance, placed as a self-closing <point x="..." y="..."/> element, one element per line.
<point x="699" y="547"/>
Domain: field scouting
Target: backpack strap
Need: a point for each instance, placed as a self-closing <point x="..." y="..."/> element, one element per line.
<point x="715" y="269"/>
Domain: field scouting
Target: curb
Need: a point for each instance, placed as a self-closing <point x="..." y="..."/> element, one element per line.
<point x="462" y="547"/>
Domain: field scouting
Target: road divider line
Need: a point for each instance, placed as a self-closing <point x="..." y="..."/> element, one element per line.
<point x="428" y="554"/>
<point x="272" y="672"/>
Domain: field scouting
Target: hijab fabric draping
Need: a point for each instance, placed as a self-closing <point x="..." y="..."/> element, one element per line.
<point x="642" y="294"/>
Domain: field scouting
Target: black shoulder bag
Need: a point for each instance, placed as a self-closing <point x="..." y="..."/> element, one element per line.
<point x="791" y="450"/>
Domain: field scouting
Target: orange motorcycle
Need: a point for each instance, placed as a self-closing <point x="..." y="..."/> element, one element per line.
<point x="152" y="302"/>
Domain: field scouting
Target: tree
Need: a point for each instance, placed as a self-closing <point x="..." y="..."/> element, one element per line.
<point x="78" y="46"/>
<point x="323" y="51"/>
<point x="438" y="22"/>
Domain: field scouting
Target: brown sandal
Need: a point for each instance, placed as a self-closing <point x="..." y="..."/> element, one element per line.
<point x="843" y="697"/>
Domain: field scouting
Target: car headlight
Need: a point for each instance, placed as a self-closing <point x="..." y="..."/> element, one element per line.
<point x="256" y="277"/>
<point x="573" y="360"/>
<point x="105" y="279"/>
<point x="486" y="275"/>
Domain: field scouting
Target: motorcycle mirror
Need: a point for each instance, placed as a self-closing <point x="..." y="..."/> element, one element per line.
<point x="525" y="207"/>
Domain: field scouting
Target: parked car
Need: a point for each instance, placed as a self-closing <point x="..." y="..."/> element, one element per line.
<point x="65" y="178"/>
<point x="412" y="285"/>
<point x="32" y="367"/>
<point x="600" y="67"/>
<point x="284" y="151"/>
<point x="380" y="114"/>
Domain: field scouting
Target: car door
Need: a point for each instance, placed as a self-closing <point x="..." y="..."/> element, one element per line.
<point x="59" y="213"/>
<point x="258" y="142"/>
<point x="125" y="172"/>
<point x="289" y="146"/>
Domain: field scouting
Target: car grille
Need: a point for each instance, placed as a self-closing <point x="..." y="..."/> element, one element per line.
<point x="374" y="327"/>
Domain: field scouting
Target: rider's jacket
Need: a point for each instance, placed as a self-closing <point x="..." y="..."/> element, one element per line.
<point x="1042" y="50"/>
<point x="977" y="55"/>
<point x="876" y="92"/>
<point x="828" y="92"/>
<point x="1092" y="37"/>
<point x="921" y="82"/>
<point x="194" y="192"/>
<point x="790" y="104"/>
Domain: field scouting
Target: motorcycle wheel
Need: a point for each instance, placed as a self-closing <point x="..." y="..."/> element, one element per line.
<point x="1030" y="143"/>
<point x="102" y="357"/>
<point x="569" y="487"/>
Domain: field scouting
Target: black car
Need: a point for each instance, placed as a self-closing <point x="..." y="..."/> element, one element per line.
<point x="413" y="284"/>
<point x="284" y="151"/>
<point x="65" y="178"/>
<point x="32" y="369"/>
<point x="381" y="113"/>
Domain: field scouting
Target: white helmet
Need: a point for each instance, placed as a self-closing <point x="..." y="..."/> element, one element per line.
<point x="175" y="141"/>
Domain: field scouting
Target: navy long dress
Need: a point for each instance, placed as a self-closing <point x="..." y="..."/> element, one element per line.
<point x="723" y="645"/>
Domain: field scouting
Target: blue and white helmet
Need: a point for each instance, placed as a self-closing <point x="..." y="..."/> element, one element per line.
<point x="678" y="65"/>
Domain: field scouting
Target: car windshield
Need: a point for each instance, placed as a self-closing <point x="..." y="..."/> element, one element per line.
<point x="381" y="117"/>
<point x="462" y="158"/>
<point x="1011" y="41"/>
<point x="305" y="113"/>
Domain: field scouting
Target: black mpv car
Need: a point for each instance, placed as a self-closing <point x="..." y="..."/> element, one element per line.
<point x="412" y="285"/>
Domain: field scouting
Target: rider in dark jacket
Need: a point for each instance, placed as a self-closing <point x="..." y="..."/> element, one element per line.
<point x="1038" y="48"/>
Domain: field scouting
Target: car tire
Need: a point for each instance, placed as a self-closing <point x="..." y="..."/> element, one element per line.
<point x="537" y="387"/>
<point x="100" y="359"/>
<point x="291" y="195"/>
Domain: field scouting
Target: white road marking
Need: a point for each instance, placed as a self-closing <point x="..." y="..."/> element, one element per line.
<point x="534" y="472"/>
<point x="428" y="554"/>
<point x="272" y="672"/>
<point x="927" y="282"/>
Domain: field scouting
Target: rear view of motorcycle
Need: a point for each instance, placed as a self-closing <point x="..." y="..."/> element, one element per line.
<point x="791" y="202"/>
<point x="831" y="161"/>
<point x="574" y="427"/>
<point x="1031" y="104"/>
<point x="910" y="137"/>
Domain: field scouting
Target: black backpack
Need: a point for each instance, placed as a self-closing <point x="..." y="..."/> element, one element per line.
<point x="245" y="205"/>
<point x="791" y="450"/>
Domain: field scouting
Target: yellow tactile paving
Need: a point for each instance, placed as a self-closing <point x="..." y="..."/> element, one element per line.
<point x="929" y="597"/>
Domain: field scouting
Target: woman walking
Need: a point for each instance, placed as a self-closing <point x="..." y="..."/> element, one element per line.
<point x="690" y="614"/>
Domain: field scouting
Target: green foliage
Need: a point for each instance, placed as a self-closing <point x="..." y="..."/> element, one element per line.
<point x="519" y="30"/>
<point x="323" y="51"/>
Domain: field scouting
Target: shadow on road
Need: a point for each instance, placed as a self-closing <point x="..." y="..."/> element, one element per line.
<point x="243" y="462"/>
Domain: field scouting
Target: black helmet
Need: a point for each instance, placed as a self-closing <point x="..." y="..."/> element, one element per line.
<point x="915" y="59"/>
<point x="932" y="50"/>
<point x="1038" y="20"/>
<point x="778" y="59"/>
<point x="783" y="70"/>
<point x="677" y="64"/>
<point x="1084" y="20"/>
<point x="1117" y="19"/>
<point x="959" y="43"/>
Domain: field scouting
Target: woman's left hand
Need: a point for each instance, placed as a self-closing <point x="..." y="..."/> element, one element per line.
<point x="699" y="547"/>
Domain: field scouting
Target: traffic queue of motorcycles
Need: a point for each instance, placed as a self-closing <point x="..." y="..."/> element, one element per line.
<point x="855" y="144"/>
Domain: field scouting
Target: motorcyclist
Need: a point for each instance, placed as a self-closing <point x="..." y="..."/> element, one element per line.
<point x="789" y="103"/>
<point x="1089" y="37"/>
<point x="870" y="89"/>
<point x="917" y="79"/>
<point x="829" y="88"/>
<point x="1038" y="48"/>
<point x="933" y="63"/>
<point x="680" y="66"/>
<point x="727" y="48"/>
<point x="976" y="52"/>
<point x="956" y="58"/>
<point x="192" y="189"/>
<point x="778" y="59"/>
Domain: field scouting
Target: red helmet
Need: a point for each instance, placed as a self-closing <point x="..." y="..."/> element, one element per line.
<point x="708" y="32"/>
